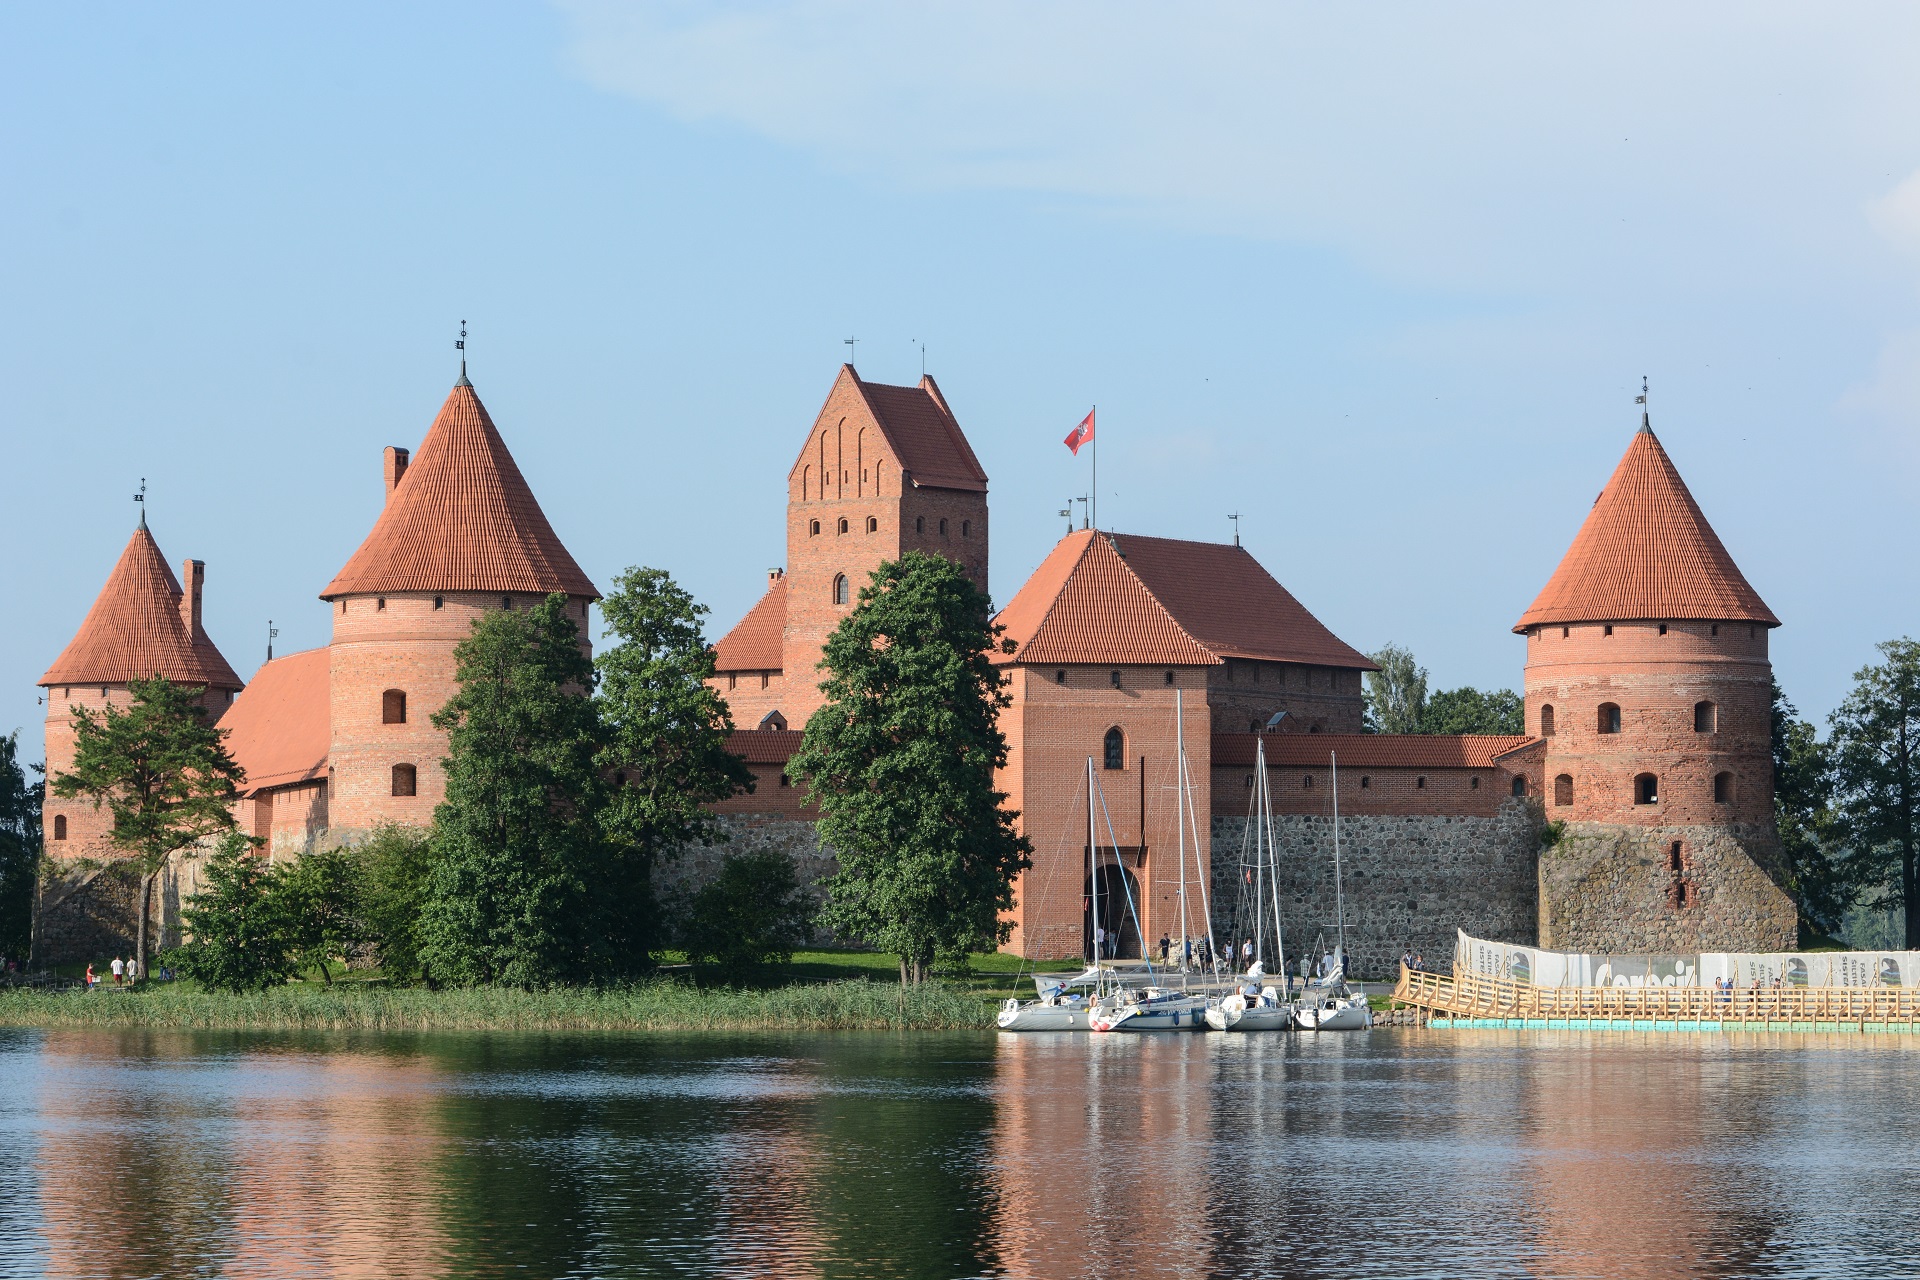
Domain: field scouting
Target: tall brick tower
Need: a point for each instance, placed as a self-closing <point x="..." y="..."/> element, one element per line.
<point x="461" y="534"/>
<point x="1647" y="674"/>
<point x="884" y="470"/>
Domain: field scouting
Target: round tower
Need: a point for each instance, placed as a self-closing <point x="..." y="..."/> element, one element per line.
<point x="1647" y="675"/>
<point x="461" y="535"/>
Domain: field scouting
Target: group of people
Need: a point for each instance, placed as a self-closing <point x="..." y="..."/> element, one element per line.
<point x="1192" y="950"/>
<point x="125" y="973"/>
<point x="1413" y="960"/>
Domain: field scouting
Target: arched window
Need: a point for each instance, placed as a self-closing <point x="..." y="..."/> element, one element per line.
<point x="919" y="524"/>
<point x="1256" y="724"/>
<point x="843" y="524"/>
<point x="839" y="588"/>
<point x="1473" y="784"/>
<point x="1116" y="748"/>
<point x="1253" y="725"/>
<point x="393" y="707"/>
<point x="1306" y="783"/>
<point x="1563" y="789"/>
<point x="1546" y="720"/>
<point x="1704" y="717"/>
<point x="1646" y="789"/>
<point x="1366" y="783"/>
<point x="1114" y="677"/>
<point x="873" y="524"/>
<point x="439" y="602"/>
<point x="59" y="826"/>
<point x="403" y="779"/>
<point x="506" y="602"/>
<point x="966" y="528"/>
<point x="813" y="528"/>
<point x="1609" y="717"/>
<point x="943" y="526"/>
<point x="1420" y="783"/>
<point x="1663" y="628"/>
<point x="774" y="720"/>
<point x="1723" y="788"/>
<point x="1519" y="784"/>
<point x="1060" y="677"/>
<point x="380" y="605"/>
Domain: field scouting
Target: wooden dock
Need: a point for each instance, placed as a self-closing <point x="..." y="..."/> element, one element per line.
<point x="1472" y="1000"/>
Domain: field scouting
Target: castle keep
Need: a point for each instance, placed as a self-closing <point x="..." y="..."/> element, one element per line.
<point x="1634" y="814"/>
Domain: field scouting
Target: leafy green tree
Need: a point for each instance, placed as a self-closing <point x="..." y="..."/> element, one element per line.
<point x="1467" y="710"/>
<point x="1396" y="693"/>
<point x="901" y="763"/>
<point x="162" y="769"/>
<point x="395" y="873"/>
<point x="520" y="887"/>
<point x="318" y="896"/>
<point x="1875" y="748"/>
<point x="664" y="733"/>
<point x="753" y="912"/>
<point x="237" y="933"/>
<point x="19" y="847"/>
<point x="1819" y="876"/>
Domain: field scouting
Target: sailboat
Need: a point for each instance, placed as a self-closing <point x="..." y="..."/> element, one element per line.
<point x="1328" y="1004"/>
<point x="1257" y="1006"/>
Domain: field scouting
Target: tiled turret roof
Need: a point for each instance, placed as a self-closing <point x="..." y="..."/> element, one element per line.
<point x="134" y="630"/>
<point x="461" y="519"/>
<point x="1646" y="552"/>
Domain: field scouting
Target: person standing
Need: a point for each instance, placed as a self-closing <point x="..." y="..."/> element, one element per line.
<point x="119" y="968"/>
<point x="1165" y="943"/>
<point x="1099" y="942"/>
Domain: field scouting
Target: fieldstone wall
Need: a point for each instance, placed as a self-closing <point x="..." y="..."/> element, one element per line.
<point x="680" y="877"/>
<point x="1666" y="890"/>
<point x="85" y="913"/>
<point x="1409" y="881"/>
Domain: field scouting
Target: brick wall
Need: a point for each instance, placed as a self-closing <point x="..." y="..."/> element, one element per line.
<point x="1245" y="693"/>
<point x="1406" y="792"/>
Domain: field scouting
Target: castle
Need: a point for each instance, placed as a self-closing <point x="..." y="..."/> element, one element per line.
<point x="1634" y="814"/>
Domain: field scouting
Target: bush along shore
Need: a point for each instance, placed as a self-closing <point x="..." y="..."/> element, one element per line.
<point x="658" y="1005"/>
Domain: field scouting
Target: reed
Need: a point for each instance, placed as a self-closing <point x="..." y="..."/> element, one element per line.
<point x="659" y="1005"/>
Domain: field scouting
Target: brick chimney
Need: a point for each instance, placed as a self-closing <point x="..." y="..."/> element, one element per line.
<point x="193" y="579"/>
<point x="774" y="576"/>
<point x="396" y="468"/>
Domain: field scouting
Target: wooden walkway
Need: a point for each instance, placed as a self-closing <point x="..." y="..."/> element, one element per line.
<point x="1471" y="1000"/>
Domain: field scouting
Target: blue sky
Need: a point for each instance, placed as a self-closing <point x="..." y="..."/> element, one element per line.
<point x="1384" y="280"/>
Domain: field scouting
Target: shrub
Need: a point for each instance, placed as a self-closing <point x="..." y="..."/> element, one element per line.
<point x="394" y="868"/>
<point x="237" y="934"/>
<point x="754" y="912"/>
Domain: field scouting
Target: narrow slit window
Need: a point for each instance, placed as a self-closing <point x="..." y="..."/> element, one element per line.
<point x="1115" y="748"/>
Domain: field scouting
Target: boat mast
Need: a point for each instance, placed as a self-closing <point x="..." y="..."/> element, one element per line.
<point x="1093" y="874"/>
<point x="1180" y="826"/>
<point x="1273" y="867"/>
<point x="1339" y="902"/>
<point x="1259" y="866"/>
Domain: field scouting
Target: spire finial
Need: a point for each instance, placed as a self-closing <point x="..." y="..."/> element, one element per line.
<point x="461" y="347"/>
<point x="272" y="633"/>
<point x="1641" y="400"/>
<point x="853" y="350"/>
<point x="1235" y="517"/>
<point x="141" y="498"/>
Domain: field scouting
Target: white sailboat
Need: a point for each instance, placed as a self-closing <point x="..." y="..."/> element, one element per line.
<point x="1256" y="1005"/>
<point x="1328" y="1004"/>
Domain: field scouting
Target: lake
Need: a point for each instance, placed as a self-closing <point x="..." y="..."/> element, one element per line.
<point x="1396" y="1153"/>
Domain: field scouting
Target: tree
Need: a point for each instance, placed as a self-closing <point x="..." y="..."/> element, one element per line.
<point x="19" y="847"/>
<point x="1817" y="873"/>
<point x="395" y="871"/>
<point x="318" y="896"/>
<point x="753" y="912"/>
<point x="518" y="894"/>
<point x="236" y="932"/>
<point x="1396" y="693"/>
<point x="1875" y="748"/>
<point x="1467" y="710"/>
<point x="664" y="732"/>
<point x="162" y="769"/>
<point x="901" y="763"/>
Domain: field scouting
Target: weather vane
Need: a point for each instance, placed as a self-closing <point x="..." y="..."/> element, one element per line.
<point x="1068" y="513"/>
<point x="272" y="632"/>
<point x="141" y="498"/>
<point x="1642" y="397"/>
<point x="852" y="350"/>
<point x="460" y="345"/>
<point x="1235" y="517"/>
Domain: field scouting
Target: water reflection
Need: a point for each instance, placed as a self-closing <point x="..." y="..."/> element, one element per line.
<point x="1042" y="1157"/>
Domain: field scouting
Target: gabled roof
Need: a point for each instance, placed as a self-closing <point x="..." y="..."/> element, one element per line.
<point x="279" y="727"/>
<point x="1084" y="604"/>
<point x="919" y="428"/>
<point x="1229" y="602"/>
<point x="461" y="519"/>
<point x="134" y="630"/>
<point x="754" y="644"/>
<point x="765" y="746"/>
<point x="1370" y="750"/>
<point x="1646" y="552"/>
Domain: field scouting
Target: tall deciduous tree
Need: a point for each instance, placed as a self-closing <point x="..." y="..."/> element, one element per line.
<point x="664" y="734"/>
<point x="1875" y="745"/>
<point x="19" y="847"/>
<point x="237" y="928"/>
<point x="518" y="893"/>
<point x="161" y="768"/>
<point x="1819" y="876"/>
<point x="395" y="875"/>
<point x="901" y="762"/>
<point x="319" y="896"/>
<point x="1467" y="710"/>
<point x="1396" y="693"/>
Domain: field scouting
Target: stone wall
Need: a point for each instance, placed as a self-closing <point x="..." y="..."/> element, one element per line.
<point x="1666" y="890"/>
<point x="1410" y="881"/>
<point x="680" y="877"/>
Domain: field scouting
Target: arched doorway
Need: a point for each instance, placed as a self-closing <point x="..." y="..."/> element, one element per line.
<point x="1119" y="899"/>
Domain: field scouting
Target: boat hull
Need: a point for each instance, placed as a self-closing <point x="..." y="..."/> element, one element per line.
<point x="1188" y="1014"/>
<point x="1042" y="1017"/>
<point x="1270" y="1018"/>
<point x="1340" y="1015"/>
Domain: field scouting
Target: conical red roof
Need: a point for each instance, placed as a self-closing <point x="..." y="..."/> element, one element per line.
<point x="1646" y="552"/>
<point x="134" y="630"/>
<point x="461" y="519"/>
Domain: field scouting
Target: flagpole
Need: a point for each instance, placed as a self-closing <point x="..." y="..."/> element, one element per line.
<point x="1094" y="515"/>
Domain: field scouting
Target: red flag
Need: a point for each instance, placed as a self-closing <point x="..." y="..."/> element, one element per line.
<point x="1081" y="434"/>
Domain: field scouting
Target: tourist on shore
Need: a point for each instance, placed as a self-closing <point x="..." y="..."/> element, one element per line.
<point x="1165" y="943"/>
<point x="91" y="979"/>
<point x="119" y="968"/>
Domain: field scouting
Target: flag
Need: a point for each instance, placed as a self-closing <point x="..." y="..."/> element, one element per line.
<point x="1081" y="434"/>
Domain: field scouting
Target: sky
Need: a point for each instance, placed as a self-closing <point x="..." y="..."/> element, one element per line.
<point x="1384" y="280"/>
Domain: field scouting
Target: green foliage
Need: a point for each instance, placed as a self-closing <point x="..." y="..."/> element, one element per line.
<point x="1818" y="874"/>
<point x="527" y="890"/>
<point x="1467" y="710"/>
<point x="317" y="898"/>
<point x="754" y="912"/>
<point x="19" y="847"/>
<point x="1552" y="833"/>
<point x="394" y="870"/>
<point x="1396" y="693"/>
<point x="237" y="930"/>
<point x="161" y="768"/>
<point x="1874" y="749"/>
<point x="901" y="763"/>
<point x="664" y="733"/>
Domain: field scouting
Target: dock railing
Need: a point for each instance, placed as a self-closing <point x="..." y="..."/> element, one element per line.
<point x="1471" y="995"/>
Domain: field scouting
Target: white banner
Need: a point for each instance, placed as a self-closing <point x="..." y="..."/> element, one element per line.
<point x="1531" y="966"/>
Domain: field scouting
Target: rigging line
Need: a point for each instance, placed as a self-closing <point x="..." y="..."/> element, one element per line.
<point x="1206" y="907"/>
<point x="1139" y="926"/>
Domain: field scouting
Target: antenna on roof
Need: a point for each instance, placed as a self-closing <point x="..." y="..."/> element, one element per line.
<point x="272" y="631"/>
<point x="1641" y="400"/>
<point x="1086" y="520"/>
<point x="923" y="362"/>
<point x="852" y="350"/>
<point x="141" y="498"/>
<point x="461" y="346"/>
<point x="1068" y="513"/>
<point x="1235" y="517"/>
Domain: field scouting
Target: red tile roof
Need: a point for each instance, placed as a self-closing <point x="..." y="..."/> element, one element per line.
<point x="919" y="428"/>
<point x="1370" y="750"/>
<point x="1085" y="604"/>
<point x="754" y="643"/>
<point x="765" y="746"/>
<point x="1229" y="602"/>
<point x="1645" y="553"/>
<point x="280" y="725"/>
<point x="135" y="631"/>
<point x="461" y="519"/>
